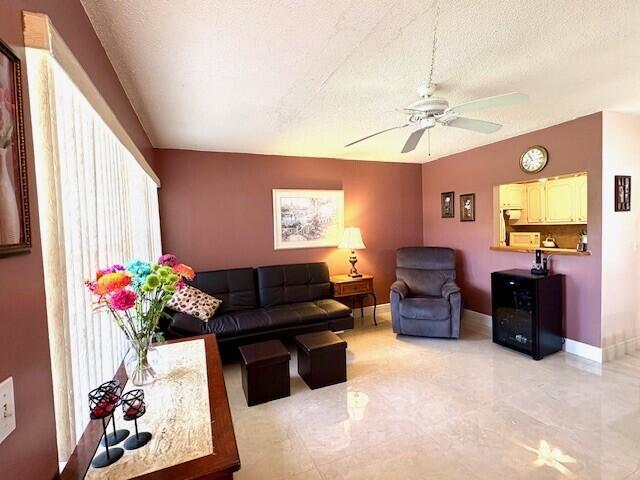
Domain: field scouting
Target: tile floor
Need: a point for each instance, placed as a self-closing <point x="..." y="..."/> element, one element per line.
<point x="418" y="408"/>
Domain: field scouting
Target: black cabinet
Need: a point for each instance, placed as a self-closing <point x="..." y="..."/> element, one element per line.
<point x="527" y="311"/>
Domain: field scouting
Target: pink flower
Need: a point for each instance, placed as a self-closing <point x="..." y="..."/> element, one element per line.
<point x="122" y="300"/>
<point x="168" y="259"/>
<point x="180" y="285"/>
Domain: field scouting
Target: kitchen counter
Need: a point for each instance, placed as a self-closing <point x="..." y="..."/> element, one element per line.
<point x="554" y="251"/>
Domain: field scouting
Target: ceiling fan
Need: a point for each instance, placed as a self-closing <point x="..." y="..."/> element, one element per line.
<point x="429" y="110"/>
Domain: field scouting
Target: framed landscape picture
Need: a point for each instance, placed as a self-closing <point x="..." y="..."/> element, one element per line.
<point x="307" y="218"/>
<point x="14" y="194"/>
<point x="447" y="207"/>
<point x="468" y="207"/>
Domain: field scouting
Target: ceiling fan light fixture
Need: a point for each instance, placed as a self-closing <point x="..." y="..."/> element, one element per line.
<point x="428" y="122"/>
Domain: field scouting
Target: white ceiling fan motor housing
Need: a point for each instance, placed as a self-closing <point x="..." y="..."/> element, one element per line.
<point x="430" y="105"/>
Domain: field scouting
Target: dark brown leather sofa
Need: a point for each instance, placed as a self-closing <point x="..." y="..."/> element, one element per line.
<point x="264" y="303"/>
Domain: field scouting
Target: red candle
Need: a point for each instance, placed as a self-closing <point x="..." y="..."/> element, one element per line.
<point x="103" y="409"/>
<point x="134" y="409"/>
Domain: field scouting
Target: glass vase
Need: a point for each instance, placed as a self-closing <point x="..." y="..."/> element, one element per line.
<point x="139" y="362"/>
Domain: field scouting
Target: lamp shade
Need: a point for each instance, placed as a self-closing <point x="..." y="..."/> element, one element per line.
<point x="351" y="239"/>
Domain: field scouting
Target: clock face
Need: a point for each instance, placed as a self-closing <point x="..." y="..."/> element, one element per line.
<point x="534" y="159"/>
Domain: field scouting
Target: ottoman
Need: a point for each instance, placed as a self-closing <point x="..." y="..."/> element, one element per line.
<point x="265" y="371"/>
<point x="322" y="359"/>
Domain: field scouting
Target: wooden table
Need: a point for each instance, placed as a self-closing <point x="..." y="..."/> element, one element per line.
<point x="346" y="286"/>
<point x="214" y="458"/>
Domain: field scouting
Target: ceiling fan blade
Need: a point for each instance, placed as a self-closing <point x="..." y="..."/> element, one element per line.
<point x="412" y="142"/>
<point x="489" y="102"/>
<point x="473" y="124"/>
<point x="374" y="134"/>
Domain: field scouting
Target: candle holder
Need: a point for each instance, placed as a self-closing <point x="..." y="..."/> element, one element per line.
<point x="116" y="436"/>
<point x="133" y="407"/>
<point x="102" y="404"/>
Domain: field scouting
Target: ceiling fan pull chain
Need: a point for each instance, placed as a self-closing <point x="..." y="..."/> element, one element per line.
<point x="435" y="41"/>
<point x="429" y="141"/>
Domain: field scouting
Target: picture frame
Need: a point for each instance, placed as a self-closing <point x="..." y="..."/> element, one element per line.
<point x="307" y="218"/>
<point x="447" y="205"/>
<point x="15" y="233"/>
<point x="468" y="207"/>
<point x="622" y="193"/>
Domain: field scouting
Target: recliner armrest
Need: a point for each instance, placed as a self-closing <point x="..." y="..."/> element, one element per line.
<point x="400" y="288"/>
<point x="449" y="288"/>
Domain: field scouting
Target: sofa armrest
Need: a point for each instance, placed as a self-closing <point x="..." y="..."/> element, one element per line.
<point x="400" y="288"/>
<point x="449" y="288"/>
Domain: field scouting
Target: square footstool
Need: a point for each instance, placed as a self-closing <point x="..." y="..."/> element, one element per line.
<point x="265" y="371"/>
<point x="322" y="359"/>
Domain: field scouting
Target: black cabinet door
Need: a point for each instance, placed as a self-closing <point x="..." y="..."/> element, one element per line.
<point x="514" y="312"/>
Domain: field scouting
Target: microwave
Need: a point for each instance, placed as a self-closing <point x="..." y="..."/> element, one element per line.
<point x="524" y="239"/>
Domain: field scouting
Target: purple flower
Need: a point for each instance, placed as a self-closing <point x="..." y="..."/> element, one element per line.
<point x="168" y="259"/>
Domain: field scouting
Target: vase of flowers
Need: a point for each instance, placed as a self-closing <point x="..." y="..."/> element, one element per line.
<point x="135" y="295"/>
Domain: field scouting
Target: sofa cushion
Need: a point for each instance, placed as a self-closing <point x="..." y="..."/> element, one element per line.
<point x="333" y="308"/>
<point x="286" y="284"/>
<point x="427" y="308"/>
<point x="236" y="288"/>
<point x="194" y="302"/>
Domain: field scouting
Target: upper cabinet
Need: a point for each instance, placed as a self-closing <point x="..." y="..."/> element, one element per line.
<point x="512" y="196"/>
<point x="535" y="203"/>
<point x="554" y="201"/>
<point x="560" y="201"/>
<point x="581" y="198"/>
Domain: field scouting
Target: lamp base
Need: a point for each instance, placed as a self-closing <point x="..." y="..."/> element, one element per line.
<point x="353" y="260"/>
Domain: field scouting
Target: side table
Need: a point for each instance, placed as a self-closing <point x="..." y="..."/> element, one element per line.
<point x="346" y="286"/>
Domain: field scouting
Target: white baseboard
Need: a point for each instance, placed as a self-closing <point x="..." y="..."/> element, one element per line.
<point x="583" y="350"/>
<point x="482" y="323"/>
<point x="622" y="348"/>
<point x="368" y="311"/>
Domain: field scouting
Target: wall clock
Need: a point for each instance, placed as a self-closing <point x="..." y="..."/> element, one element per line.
<point x="534" y="159"/>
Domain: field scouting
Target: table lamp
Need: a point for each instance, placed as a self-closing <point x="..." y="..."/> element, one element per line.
<point x="352" y="240"/>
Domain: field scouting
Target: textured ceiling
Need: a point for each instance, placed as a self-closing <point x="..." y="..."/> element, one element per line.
<point x="305" y="77"/>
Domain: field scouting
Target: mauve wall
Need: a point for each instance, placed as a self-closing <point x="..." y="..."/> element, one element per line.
<point x="573" y="146"/>
<point x="216" y="209"/>
<point x="30" y="451"/>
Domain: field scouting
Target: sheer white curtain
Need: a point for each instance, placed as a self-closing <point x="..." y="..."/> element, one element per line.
<point x="98" y="207"/>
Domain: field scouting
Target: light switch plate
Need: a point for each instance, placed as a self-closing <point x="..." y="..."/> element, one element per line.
<point x="7" y="409"/>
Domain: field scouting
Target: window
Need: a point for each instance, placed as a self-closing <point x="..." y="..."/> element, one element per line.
<point x="98" y="206"/>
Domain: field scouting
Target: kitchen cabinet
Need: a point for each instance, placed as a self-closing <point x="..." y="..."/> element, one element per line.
<point x="560" y="201"/>
<point x="581" y="199"/>
<point x="535" y="196"/>
<point x="512" y="196"/>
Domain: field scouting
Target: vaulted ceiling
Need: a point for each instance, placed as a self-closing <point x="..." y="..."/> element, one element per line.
<point x="305" y="77"/>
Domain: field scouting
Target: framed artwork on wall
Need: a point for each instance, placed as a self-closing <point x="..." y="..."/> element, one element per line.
<point x="622" y="191"/>
<point x="447" y="207"/>
<point x="15" y="236"/>
<point x="307" y="218"/>
<point x="468" y="207"/>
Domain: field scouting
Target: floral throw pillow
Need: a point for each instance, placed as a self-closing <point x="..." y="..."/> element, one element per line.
<point x="194" y="302"/>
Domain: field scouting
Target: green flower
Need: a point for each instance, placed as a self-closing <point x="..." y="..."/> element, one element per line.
<point x="152" y="281"/>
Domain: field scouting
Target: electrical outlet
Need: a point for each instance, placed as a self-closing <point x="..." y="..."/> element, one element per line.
<point x="7" y="409"/>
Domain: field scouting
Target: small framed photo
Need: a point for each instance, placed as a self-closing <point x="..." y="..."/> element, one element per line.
<point x="622" y="190"/>
<point x="468" y="207"/>
<point x="447" y="208"/>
